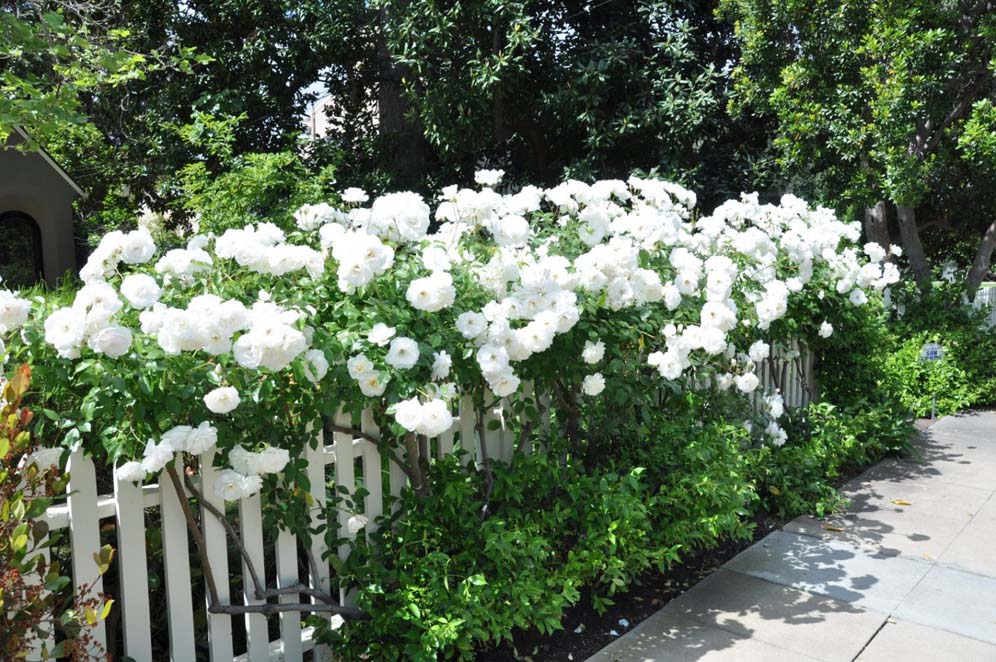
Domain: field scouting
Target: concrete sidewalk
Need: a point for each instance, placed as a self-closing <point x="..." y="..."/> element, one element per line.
<point x="907" y="573"/>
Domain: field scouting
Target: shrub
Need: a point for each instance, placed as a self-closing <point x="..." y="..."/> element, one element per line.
<point x="34" y="608"/>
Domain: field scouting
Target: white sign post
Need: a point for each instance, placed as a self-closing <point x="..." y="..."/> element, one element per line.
<point x="932" y="352"/>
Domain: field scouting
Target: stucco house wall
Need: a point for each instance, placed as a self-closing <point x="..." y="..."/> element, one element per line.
<point x="32" y="184"/>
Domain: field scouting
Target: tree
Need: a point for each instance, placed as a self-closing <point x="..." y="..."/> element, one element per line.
<point x="544" y="88"/>
<point x="52" y="52"/>
<point x="872" y="100"/>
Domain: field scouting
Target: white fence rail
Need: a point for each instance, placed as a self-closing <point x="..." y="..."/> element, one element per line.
<point x="345" y="462"/>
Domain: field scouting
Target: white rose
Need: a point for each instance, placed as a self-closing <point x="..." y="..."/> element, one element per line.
<point x="245" y="462"/>
<point x="131" y="472"/>
<point x="140" y="290"/>
<point x="471" y="325"/>
<point x="747" y="382"/>
<point x="354" y="196"/>
<point x="316" y="365"/>
<point x="435" y="418"/>
<point x="403" y="353"/>
<point x="488" y="177"/>
<point x="65" y="328"/>
<point x="826" y="328"/>
<point x="202" y="438"/>
<point x="113" y="341"/>
<point x="13" y="311"/>
<point x="137" y="247"/>
<point x="359" y="366"/>
<point x="177" y="438"/>
<point x="273" y="460"/>
<point x="355" y="523"/>
<point x="593" y="351"/>
<point x="229" y="485"/>
<point x="441" y="364"/>
<point x="373" y="384"/>
<point x="593" y="384"/>
<point x="222" y="399"/>
<point x="408" y="414"/>
<point x="381" y="334"/>
<point x="156" y="457"/>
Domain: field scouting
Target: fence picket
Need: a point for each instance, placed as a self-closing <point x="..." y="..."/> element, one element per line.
<point x="468" y="421"/>
<point x="251" y="531"/>
<point x="345" y="477"/>
<point x="180" y="601"/>
<point x="216" y="541"/>
<point x="84" y="530"/>
<point x="133" y="570"/>
<point x="318" y="577"/>
<point x="290" y="621"/>
<point x="373" y="476"/>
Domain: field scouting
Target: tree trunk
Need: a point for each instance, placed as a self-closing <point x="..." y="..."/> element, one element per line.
<point x="408" y="143"/>
<point x="912" y="245"/>
<point x="980" y="265"/>
<point x="877" y="224"/>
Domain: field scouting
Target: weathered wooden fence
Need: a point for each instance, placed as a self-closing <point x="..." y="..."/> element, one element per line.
<point x="347" y="462"/>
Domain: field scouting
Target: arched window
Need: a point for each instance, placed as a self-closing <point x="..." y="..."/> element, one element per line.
<point x="20" y="251"/>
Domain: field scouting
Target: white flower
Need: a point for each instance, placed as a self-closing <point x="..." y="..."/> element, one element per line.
<point x="65" y="328"/>
<point x="177" y="438"/>
<point x="316" y="366"/>
<point x="432" y="293"/>
<point x="202" y="439"/>
<point x="372" y="384"/>
<point x="354" y="196"/>
<point x="747" y="382"/>
<point x="137" y="247"/>
<point x="232" y="486"/>
<point x="593" y="384"/>
<point x="355" y="523"/>
<point x="408" y="414"/>
<point x="155" y="457"/>
<point x="131" y="472"/>
<point x="471" y="325"/>
<point x="826" y="328"/>
<point x="593" y="352"/>
<point x="435" y="418"/>
<point x="400" y="217"/>
<point x="381" y="334"/>
<point x="245" y="462"/>
<point x="759" y="351"/>
<point x="402" y="354"/>
<point x="140" y="290"/>
<point x="273" y="460"/>
<point x="441" y="364"/>
<point x="359" y="366"/>
<point x="511" y="230"/>
<point x="488" y="177"/>
<point x="222" y="400"/>
<point x="113" y="341"/>
<point x="13" y="311"/>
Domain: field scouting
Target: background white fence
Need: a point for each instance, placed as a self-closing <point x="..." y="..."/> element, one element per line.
<point x="346" y="462"/>
<point x="985" y="300"/>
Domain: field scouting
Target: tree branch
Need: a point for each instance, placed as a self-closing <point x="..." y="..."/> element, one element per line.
<point x="382" y="446"/>
<point x="195" y="530"/>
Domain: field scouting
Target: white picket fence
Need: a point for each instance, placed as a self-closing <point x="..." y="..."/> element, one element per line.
<point x="347" y="459"/>
<point x="346" y="462"/>
<point x="985" y="300"/>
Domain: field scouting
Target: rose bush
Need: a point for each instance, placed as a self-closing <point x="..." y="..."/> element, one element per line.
<point x="259" y="331"/>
